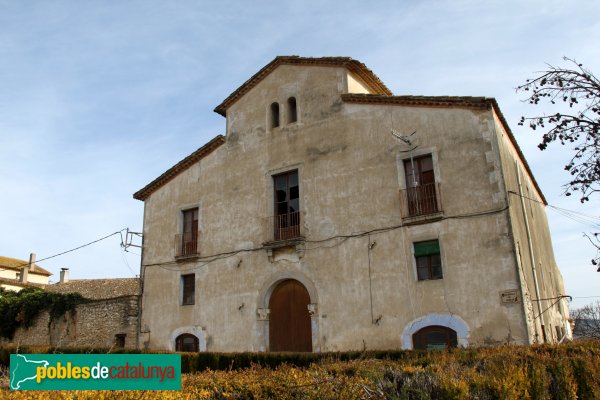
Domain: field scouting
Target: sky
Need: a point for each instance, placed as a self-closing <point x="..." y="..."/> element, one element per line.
<point x="98" y="98"/>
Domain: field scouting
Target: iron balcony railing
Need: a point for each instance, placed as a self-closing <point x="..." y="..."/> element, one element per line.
<point x="186" y="244"/>
<point x="285" y="226"/>
<point x="421" y="200"/>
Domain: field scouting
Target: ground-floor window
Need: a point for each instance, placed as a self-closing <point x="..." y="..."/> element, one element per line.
<point x="186" y="343"/>
<point x="434" y="338"/>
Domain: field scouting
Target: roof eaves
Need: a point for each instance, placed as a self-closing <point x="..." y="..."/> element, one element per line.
<point x="181" y="166"/>
<point x="356" y="67"/>
<point x="435" y="101"/>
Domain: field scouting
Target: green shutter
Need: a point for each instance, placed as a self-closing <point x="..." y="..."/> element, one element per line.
<point x="427" y="248"/>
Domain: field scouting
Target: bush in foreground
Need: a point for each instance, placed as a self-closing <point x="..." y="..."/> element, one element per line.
<point x="566" y="371"/>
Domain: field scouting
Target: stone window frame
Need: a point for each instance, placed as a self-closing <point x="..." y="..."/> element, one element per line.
<point x="417" y="153"/>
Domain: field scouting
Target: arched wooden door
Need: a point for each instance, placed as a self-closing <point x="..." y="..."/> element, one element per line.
<point x="289" y="320"/>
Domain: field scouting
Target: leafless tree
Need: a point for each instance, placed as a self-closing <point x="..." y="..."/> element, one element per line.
<point x="587" y="321"/>
<point x="574" y="93"/>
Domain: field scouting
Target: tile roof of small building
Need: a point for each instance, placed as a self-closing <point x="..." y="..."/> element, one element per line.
<point x="16" y="264"/>
<point x="98" y="289"/>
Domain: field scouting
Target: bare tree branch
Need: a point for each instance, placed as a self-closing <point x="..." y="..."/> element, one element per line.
<point x="578" y="125"/>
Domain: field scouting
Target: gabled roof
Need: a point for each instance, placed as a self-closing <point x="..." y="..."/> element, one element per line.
<point x="16" y="264"/>
<point x="357" y="68"/>
<point x="181" y="166"/>
<point x="98" y="289"/>
<point x="447" y="101"/>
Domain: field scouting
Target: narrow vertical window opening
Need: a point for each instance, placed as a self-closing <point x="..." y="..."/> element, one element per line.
<point x="274" y="115"/>
<point x="292" y="112"/>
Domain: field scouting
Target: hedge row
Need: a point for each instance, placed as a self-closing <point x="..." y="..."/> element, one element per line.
<point x="548" y="372"/>
<point x="193" y="362"/>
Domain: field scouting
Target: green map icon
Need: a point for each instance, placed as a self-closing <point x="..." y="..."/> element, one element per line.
<point x="23" y="369"/>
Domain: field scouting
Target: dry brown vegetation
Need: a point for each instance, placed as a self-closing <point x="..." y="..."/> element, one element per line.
<point x="566" y="371"/>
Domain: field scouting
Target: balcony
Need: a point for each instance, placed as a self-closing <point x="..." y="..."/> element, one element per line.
<point x="421" y="203"/>
<point x="283" y="228"/>
<point x="186" y="245"/>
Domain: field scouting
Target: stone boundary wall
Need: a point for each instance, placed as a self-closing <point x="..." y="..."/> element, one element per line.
<point x="93" y="324"/>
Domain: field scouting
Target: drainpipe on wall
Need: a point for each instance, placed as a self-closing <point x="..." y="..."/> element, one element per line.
<point x="531" y="254"/>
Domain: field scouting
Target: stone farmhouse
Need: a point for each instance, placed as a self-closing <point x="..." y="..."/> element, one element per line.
<point x="334" y="215"/>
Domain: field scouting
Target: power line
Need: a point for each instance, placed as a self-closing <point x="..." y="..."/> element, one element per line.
<point x="68" y="251"/>
<point x="219" y="256"/>
<point x="582" y="218"/>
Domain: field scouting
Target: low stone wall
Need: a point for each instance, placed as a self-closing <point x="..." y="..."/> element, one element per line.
<point x="93" y="324"/>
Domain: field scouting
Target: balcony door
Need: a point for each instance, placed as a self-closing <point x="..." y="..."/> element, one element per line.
<point x="189" y="238"/>
<point x="420" y="186"/>
<point x="287" y="205"/>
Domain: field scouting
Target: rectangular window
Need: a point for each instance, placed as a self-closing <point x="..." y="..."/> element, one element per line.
<point x="188" y="283"/>
<point x="120" y="340"/>
<point x="421" y="193"/>
<point x="428" y="260"/>
<point x="188" y="241"/>
<point x="287" y="205"/>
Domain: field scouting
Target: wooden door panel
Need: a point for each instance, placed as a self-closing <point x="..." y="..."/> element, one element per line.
<point x="289" y="321"/>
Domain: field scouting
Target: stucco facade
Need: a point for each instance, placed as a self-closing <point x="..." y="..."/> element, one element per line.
<point x="360" y="243"/>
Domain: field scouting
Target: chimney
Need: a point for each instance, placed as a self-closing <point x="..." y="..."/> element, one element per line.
<point x="23" y="275"/>
<point x="31" y="262"/>
<point x="64" y="275"/>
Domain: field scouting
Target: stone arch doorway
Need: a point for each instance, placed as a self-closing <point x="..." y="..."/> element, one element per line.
<point x="290" y="320"/>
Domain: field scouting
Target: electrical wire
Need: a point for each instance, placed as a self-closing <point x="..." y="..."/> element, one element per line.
<point x="579" y="217"/>
<point x="219" y="256"/>
<point x="67" y="251"/>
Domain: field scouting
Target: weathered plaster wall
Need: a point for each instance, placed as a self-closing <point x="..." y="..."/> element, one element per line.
<point x="350" y="170"/>
<point x="549" y="279"/>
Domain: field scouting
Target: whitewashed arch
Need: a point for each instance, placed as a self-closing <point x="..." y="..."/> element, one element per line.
<point x="192" y="330"/>
<point x="453" y="322"/>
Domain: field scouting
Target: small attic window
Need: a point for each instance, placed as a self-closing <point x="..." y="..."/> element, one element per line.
<point x="292" y="113"/>
<point x="274" y="115"/>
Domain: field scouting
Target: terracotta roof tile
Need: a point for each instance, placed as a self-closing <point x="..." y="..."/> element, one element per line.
<point x="97" y="289"/>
